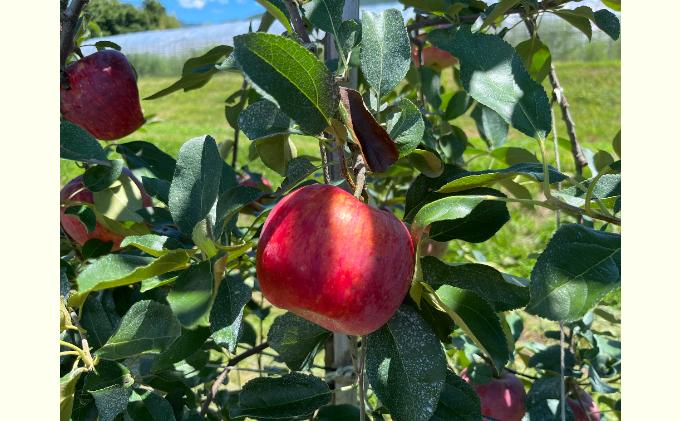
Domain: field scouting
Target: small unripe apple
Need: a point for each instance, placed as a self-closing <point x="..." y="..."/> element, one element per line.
<point x="502" y="398"/>
<point x="331" y="259"/>
<point x="102" y="95"/>
<point x="75" y="192"/>
<point x="583" y="406"/>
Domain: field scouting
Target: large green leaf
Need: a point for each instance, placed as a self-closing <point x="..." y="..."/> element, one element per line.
<point x="341" y="412"/>
<point x="579" y="18"/>
<point x="263" y="119"/>
<point x="536" y="57"/>
<point x="289" y="75"/>
<point x="189" y="342"/>
<point x="385" y="49"/>
<point x="294" y="395"/>
<point x="405" y="365"/>
<point x="458" y="401"/>
<point x="325" y="14"/>
<point x="147" y="327"/>
<point x="115" y="270"/>
<point x="150" y="244"/>
<point x="140" y="154"/>
<point x="296" y="340"/>
<point x="549" y="359"/>
<point x="298" y="169"/>
<point x="576" y="270"/>
<point x="484" y="280"/>
<point x="278" y="10"/>
<point x="493" y="74"/>
<point x="499" y="9"/>
<point x="110" y="386"/>
<point x="608" y="22"/>
<point x="67" y="387"/>
<point x="191" y="294"/>
<point x="276" y="151"/>
<point x="226" y="315"/>
<point x="195" y="184"/>
<point x="78" y="145"/>
<point x="406" y="127"/>
<point x="543" y="400"/>
<point x="232" y="201"/>
<point x="100" y="177"/>
<point x="197" y="71"/>
<point x="468" y="179"/>
<point x="99" y="319"/>
<point x="448" y="208"/>
<point x="478" y="320"/>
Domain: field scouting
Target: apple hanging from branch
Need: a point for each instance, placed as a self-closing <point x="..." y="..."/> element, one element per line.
<point x="502" y="398"/>
<point x="331" y="259"/>
<point x="101" y="95"/>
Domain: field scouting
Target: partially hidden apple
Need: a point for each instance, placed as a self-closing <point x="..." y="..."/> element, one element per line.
<point x="102" y="95"/>
<point x="503" y="398"/>
<point x="331" y="259"/>
<point x="433" y="57"/>
<point x="75" y="192"/>
<point x="583" y="406"/>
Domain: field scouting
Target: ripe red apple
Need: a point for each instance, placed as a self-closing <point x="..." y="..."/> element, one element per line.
<point x="502" y="398"/>
<point x="75" y="191"/>
<point x="331" y="259"/>
<point x="583" y="406"/>
<point x="433" y="57"/>
<point x="102" y="95"/>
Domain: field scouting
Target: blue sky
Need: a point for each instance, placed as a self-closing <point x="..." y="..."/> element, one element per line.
<point x="208" y="11"/>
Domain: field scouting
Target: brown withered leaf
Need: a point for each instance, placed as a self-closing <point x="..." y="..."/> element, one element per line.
<point x="378" y="149"/>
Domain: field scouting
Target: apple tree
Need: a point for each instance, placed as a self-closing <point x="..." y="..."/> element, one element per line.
<point x="163" y="257"/>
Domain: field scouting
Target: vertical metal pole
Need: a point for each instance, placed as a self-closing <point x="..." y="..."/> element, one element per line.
<point x="340" y="354"/>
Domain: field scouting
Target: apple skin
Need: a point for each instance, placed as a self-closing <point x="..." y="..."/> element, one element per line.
<point x="75" y="191"/>
<point x="331" y="259"/>
<point x="502" y="398"/>
<point x="587" y="402"/>
<point x="102" y="96"/>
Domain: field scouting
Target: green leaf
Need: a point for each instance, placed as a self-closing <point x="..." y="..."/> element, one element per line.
<point x="427" y="162"/>
<point x="101" y="45"/>
<point x="139" y="154"/>
<point x="406" y="127"/>
<point x="148" y="327"/>
<point x="325" y="14"/>
<point x="156" y="187"/>
<point x="147" y="405"/>
<point x="278" y="9"/>
<point x="191" y="294"/>
<point x="67" y="387"/>
<point x="453" y="144"/>
<point x="195" y="184"/>
<point x="448" y="208"/>
<point x="491" y="126"/>
<point x="470" y="179"/>
<point x="296" y="340"/>
<point x="100" y="177"/>
<point x="431" y="86"/>
<point x="120" y="201"/>
<point x="498" y="10"/>
<point x="405" y="365"/>
<point x="99" y="319"/>
<point x="114" y="270"/>
<point x="512" y="155"/>
<point x="197" y="71"/>
<point x="287" y="74"/>
<point x="608" y="22"/>
<point x="493" y="74"/>
<point x="226" y="316"/>
<point x="432" y="6"/>
<point x="76" y="144"/>
<point x="613" y="4"/>
<point x="478" y="320"/>
<point x="577" y="269"/>
<point x="231" y="202"/>
<point x="458" y="401"/>
<point x="385" y="49"/>
<point x="189" y="342"/>
<point x="94" y="248"/>
<point x="276" y="151"/>
<point x="298" y="169"/>
<point x="342" y="412"/>
<point x="459" y="103"/>
<point x="110" y="386"/>
<point x="549" y="359"/>
<point x="483" y="280"/>
<point x="536" y="57"/>
<point x="150" y="244"/>
<point x="616" y="143"/>
<point x="85" y="214"/>
<point x="349" y="35"/>
<point x="543" y="400"/>
<point x="579" y="18"/>
<point x="294" y="395"/>
<point x="263" y="119"/>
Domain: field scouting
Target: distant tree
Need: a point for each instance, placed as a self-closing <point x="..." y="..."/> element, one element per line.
<point x="114" y="17"/>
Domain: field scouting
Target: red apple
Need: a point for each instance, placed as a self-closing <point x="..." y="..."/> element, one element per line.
<point x="583" y="406"/>
<point x="102" y="95"/>
<point x="433" y="57"/>
<point x="502" y="398"/>
<point x="331" y="259"/>
<point x="75" y="191"/>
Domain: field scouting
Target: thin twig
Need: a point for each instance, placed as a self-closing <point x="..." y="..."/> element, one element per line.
<point x="223" y="375"/>
<point x="69" y="20"/>
<point x="563" y="396"/>
<point x="528" y="376"/>
<point x="296" y="20"/>
<point x="579" y="159"/>
<point x="362" y="387"/>
<point x="237" y="130"/>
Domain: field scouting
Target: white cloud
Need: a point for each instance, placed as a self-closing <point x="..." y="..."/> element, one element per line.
<point x="199" y="4"/>
<point x="192" y="4"/>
